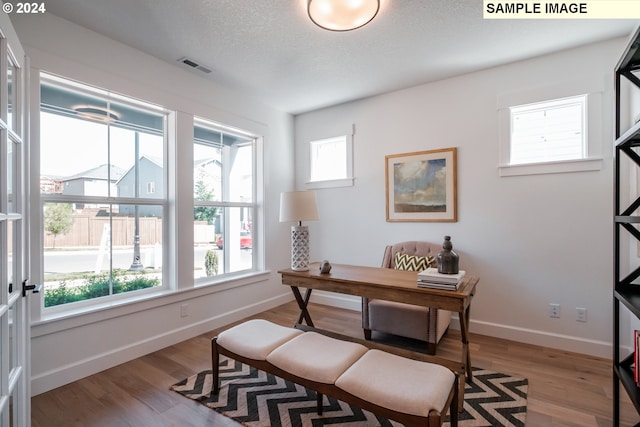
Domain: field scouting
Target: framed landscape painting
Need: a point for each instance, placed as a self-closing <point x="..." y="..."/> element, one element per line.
<point x="421" y="186"/>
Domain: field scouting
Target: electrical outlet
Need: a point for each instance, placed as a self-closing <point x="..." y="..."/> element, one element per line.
<point x="184" y="310"/>
<point x="581" y="314"/>
<point x="554" y="310"/>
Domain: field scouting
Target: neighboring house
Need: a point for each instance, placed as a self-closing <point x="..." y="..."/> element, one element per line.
<point x="150" y="185"/>
<point x="50" y="185"/>
<point x="99" y="181"/>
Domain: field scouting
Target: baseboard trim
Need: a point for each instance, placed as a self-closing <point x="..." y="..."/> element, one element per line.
<point x="72" y="372"/>
<point x="542" y="338"/>
<point x="529" y="336"/>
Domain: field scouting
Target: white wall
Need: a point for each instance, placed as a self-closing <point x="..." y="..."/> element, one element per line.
<point x="73" y="347"/>
<point x="532" y="240"/>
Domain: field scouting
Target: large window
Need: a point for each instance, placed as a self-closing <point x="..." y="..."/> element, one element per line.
<point x="102" y="188"/>
<point x="224" y="201"/>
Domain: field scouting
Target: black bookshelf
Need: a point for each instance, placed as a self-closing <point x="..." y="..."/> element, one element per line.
<point x="626" y="288"/>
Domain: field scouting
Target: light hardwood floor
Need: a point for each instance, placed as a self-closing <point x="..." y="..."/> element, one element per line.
<point x="565" y="389"/>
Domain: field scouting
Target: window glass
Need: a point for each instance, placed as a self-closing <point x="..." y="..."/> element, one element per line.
<point x="549" y="131"/>
<point x="329" y="159"/>
<point x="223" y="193"/>
<point x="10" y="260"/>
<point x="11" y="84"/>
<point x="102" y="228"/>
<point x="11" y="178"/>
<point x="89" y="256"/>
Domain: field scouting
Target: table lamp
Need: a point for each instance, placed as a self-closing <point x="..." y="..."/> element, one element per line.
<point x="298" y="206"/>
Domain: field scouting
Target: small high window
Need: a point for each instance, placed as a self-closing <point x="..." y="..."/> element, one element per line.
<point x="552" y="130"/>
<point x="549" y="131"/>
<point x="331" y="162"/>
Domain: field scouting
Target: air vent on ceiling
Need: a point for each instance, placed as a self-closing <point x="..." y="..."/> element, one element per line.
<point x="193" y="65"/>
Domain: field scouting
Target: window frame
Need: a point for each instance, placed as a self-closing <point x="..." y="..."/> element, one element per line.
<point x="107" y="201"/>
<point x="517" y="111"/>
<point x="225" y="204"/>
<point x="177" y="258"/>
<point x="593" y="159"/>
<point x="348" y="179"/>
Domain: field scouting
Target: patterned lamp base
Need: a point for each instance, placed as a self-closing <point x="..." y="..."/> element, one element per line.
<point x="300" y="248"/>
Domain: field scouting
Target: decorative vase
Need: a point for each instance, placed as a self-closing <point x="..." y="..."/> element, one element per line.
<point x="447" y="259"/>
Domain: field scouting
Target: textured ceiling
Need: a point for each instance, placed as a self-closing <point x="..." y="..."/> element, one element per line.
<point x="270" y="49"/>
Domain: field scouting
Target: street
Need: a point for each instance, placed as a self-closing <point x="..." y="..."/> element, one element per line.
<point x="91" y="260"/>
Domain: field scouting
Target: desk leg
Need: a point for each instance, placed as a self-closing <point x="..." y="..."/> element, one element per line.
<point x="464" y="332"/>
<point x="302" y="303"/>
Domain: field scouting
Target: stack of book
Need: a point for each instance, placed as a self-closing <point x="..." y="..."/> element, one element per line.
<point x="430" y="278"/>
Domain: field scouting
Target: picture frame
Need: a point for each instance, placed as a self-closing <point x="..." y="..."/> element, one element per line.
<point x="421" y="186"/>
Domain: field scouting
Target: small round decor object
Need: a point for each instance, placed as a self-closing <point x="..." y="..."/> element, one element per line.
<point x="447" y="259"/>
<point x="325" y="267"/>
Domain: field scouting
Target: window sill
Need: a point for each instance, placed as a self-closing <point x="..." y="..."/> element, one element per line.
<point x="551" y="167"/>
<point x="333" y="183"/>
<point x="74" y="317"/>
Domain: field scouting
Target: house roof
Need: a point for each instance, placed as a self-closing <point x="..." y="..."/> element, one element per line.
<point x="98" y="173"/>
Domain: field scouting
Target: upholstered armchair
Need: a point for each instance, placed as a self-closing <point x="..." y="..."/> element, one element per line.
<point x="411" y="321"/>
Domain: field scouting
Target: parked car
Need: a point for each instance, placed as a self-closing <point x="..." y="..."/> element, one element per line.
<point x="246" y="241"/>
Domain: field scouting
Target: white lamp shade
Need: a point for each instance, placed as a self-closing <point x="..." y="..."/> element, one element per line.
<point x="342" y="15"/>
<point x="297" y="206"/>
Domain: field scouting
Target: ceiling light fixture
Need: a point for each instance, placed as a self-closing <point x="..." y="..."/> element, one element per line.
<point x="98" y="114"/>
<point x="342" y="15"/>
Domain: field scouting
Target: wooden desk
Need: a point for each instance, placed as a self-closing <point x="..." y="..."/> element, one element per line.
<point x="386" y="284"/>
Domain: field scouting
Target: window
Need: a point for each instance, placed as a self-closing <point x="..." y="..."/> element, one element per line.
<point x="331" y="162"/>
<point x="549" y="131"/>
<point x="224" y="201"/>
<point x="102" y="232"/>
<point x="550" y="136"/>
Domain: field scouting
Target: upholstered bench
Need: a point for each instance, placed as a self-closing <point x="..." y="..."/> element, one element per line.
<point x="412" y="392"/>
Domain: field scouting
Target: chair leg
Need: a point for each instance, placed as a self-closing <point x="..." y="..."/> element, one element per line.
<point x="215" y="366"/>
<point x="431" y="348"/>
<point x="367" y="334"/>
<point x="319" y="402"/>
<point x="453" y="408"/>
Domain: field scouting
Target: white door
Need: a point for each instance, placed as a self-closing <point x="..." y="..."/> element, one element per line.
<point x="15" y="390"/>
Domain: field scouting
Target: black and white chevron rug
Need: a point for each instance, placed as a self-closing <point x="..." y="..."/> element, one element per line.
<point x="256" y="399"/>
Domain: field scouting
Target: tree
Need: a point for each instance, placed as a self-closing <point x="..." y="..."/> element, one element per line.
<point x="203" y="193"/>
<point x="211" y="263"/>
<point x="58" y="219"/>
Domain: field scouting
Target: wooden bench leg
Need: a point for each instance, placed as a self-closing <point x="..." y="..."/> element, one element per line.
<point x="215" y="366"/>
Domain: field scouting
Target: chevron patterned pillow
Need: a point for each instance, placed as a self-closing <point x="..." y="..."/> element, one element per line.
<point x="413" y="262"/>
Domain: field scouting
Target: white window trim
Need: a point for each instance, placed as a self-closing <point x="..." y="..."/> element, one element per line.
<point x="177" y="286"/>
<point x="348" y="181"/>
<point x="594" y="159"/>
<point x="254" y="205"/>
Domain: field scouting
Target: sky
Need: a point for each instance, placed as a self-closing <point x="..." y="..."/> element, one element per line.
<point x="69" y="146"/>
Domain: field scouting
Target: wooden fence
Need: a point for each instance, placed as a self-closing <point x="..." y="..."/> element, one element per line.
<point x="89" y="230"/>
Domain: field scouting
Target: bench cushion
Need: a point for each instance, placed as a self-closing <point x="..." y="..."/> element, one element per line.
<point x="316" y="357"/>
<point x="255" y="339"/>
<point x="398" y="383"/>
